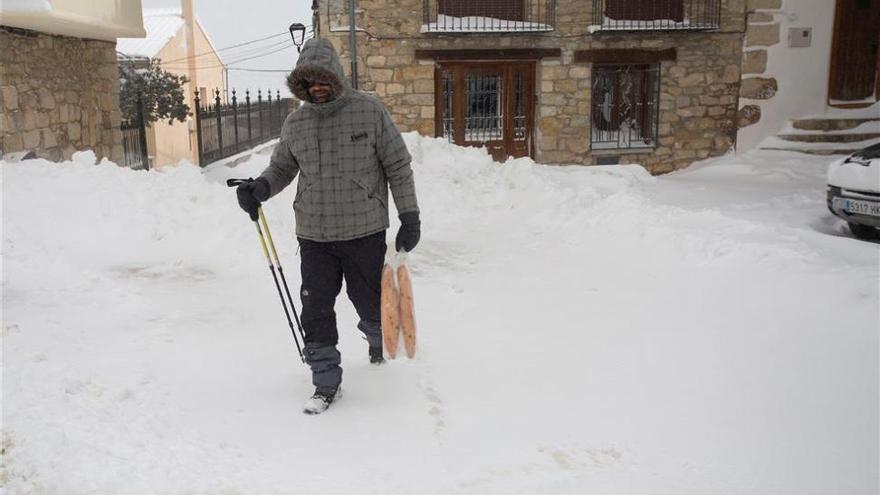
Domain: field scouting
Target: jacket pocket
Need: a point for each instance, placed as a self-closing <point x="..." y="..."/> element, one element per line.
<point x="301" y="201"/>
<point x="370" y="192"/>
<point x="357" y="150"/>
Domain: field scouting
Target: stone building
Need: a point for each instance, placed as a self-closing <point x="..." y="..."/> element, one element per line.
<point x="654" y="82"/>
<point x="58" y="76"/>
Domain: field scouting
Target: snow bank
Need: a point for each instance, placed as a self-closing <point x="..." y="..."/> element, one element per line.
<point x="583" y="329"/>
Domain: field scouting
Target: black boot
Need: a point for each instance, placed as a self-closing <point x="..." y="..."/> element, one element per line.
<point x="376" y="355"/>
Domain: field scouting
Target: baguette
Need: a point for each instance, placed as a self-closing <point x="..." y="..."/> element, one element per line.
<point x="390" y="312"/>
<point x="407" y="311"/>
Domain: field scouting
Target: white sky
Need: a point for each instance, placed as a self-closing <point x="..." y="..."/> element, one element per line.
<point x="231" y="22"/>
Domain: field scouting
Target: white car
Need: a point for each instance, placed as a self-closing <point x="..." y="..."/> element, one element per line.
<point x="854" y="191"/>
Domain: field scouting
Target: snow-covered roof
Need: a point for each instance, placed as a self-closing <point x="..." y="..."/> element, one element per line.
<point x="92" y="19"/>
<point x="27" y="6"/>
<point x="161" y="26"/>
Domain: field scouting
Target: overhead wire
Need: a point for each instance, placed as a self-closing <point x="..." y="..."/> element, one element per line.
<point x="286" y="46"/>
<point x="226" y="48"/>
<point x="237" y="45"/>
<point x="246" y="53"/>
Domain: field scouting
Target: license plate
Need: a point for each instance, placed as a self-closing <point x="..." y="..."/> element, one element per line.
<point x="860" y="207"/>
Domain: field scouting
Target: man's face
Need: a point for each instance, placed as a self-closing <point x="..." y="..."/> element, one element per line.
<point x="320" y="93"/>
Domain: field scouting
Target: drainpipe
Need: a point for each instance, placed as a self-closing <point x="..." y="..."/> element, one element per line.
<point x="187" y="10"/>
<point x="352" y="42"/>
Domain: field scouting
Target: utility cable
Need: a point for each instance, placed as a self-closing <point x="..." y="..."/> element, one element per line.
<point x="285" y="33"/>
<point x="245" y="59"/>
<point x="246" y="53"/>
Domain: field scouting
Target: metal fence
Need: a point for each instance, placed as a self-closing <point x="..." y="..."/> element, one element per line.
<point x="224" y="129"/>
<point x="656" y="15"/>
<point x="134" y="141"/>
<point x="625" y="104"/>
<point x="500" y="16"/>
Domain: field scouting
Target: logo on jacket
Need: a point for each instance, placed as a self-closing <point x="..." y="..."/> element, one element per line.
<point x="358" y="136"/>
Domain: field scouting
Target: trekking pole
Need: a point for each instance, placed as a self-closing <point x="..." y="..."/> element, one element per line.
<point x="280" y="271"/>
<point x="234" y="183"/>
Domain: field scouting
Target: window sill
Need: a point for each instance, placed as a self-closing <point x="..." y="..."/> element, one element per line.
<point x="621" y="151"/>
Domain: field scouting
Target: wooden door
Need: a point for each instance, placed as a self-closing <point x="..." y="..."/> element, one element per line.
<point x="488" y="105"/>
<point x="854" y="53"/>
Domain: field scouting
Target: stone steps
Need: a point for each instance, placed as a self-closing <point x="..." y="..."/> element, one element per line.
<point x="827" y="136"/>
<point x="819" y="151"/>
<point x="830" y="124"/>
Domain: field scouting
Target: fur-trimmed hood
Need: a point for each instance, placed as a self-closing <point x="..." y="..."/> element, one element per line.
<point x="319" y="62"/>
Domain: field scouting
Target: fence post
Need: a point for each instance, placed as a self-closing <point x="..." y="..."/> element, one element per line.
<point x="235" y="118"/>
<point x="247" y="102"/>
<point x="219" y="122"/>
<point x="281" y="113"/>
<point x="260" y="110"/>
<point x="271" y="117"/>
<point x="142" y="133"/>
<point x="199" y="129"/>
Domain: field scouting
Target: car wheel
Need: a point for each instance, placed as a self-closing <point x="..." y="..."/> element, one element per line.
<point x="864" y="231"/>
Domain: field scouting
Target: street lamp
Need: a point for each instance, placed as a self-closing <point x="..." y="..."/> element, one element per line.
<point x="299" y="28"/>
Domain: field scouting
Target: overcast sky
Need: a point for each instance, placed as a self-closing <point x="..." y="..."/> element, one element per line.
<point x="231" y="22"/>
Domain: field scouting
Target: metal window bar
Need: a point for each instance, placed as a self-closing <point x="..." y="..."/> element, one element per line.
<point x="499" y="16"/>
<point x="484" y="117"/>
<point x="625" y="106"/>
<point x="448" y="106"/>
<point x="655" y="15"/>
<point x="519" y="117"/>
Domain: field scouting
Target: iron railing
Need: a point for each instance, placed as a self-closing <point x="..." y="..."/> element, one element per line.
<point x="655" y="15"/>
<point x="493" y="16"/>
<point x="226" y="129"/>
<point x="134" y="141"/>
<point x="625" y="106"/>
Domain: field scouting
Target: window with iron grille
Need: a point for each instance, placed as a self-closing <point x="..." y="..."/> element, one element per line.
<point x="484" y="118"/>
<point x="500" y="16"/>
<point x="655" y="15"/>
<point x="625" y="104"/>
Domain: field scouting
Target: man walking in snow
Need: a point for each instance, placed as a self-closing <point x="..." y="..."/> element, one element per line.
<point x="347" y="152"/>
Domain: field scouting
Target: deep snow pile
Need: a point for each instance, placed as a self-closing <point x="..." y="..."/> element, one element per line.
<point x="583" y="330"/>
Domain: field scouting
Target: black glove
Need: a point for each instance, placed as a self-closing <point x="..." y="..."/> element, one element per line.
<point x="251" y="194"/>
<point x="409" y="233"/>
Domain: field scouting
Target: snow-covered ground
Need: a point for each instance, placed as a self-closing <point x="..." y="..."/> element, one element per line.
<point x="582" y="330"/>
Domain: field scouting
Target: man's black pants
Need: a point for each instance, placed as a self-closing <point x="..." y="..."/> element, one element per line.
<point x="323" y="267"/>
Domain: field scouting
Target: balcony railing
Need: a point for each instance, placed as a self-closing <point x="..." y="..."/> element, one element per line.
<point x="655" y="15"/>
<point x="493" y="16"/>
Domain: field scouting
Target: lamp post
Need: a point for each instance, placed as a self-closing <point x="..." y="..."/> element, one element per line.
<point x="297" y="29"/>
<point x="352" y="45"/>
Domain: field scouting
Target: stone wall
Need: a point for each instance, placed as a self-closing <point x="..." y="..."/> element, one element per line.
<point x="698" y="91"/>
<point x="59" y="95"/>
<point x="762" y="32"/>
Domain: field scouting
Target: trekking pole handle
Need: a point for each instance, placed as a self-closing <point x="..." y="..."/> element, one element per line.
<point x="238" y="182"/>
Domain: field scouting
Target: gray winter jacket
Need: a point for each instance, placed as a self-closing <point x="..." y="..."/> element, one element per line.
<point x="347" y="152"/>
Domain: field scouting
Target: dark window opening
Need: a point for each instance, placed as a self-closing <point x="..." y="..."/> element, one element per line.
<point x="625" y="106"/>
